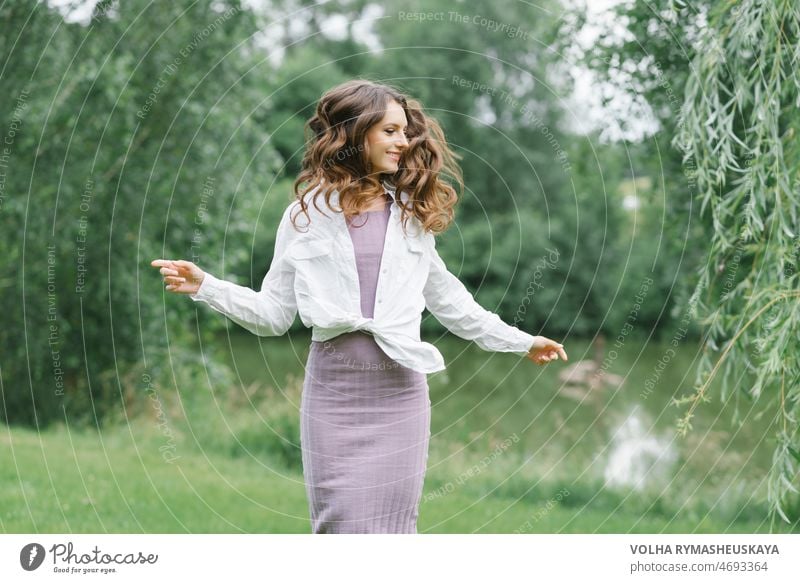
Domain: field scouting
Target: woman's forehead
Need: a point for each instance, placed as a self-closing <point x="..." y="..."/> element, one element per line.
<point x="394" y="113"/>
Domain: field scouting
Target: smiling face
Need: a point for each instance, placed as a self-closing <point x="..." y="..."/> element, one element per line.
<point x="386" y="140"/>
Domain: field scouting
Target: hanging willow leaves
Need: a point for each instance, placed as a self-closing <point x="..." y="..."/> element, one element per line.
<point x="738" y="130"/>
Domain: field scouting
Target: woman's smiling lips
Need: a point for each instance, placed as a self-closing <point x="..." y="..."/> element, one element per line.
<point x="394" y="156"/>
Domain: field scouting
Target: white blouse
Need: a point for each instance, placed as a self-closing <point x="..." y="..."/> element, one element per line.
<point x="313" y="273"/>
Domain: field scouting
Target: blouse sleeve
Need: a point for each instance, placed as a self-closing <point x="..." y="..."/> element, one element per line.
<point x="454" y="306"/>
<point x="268" y="312"/>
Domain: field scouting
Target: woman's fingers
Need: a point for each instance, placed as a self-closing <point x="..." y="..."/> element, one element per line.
<point x="163" y="263"/>
<point x="180" y="276"/>
<point x="186" y="269"/>
<point x="556" y="350"/>
<point x="171" y="270"/>
<point x="550" y="353"/>
<point x="540" y="358"/>
<point x="177" y="268"/>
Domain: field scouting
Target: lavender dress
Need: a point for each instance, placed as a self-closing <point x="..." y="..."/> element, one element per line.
<point x="364" y="418"/>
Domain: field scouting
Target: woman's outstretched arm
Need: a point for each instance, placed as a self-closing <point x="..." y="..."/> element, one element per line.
<point x="268" y="312"/>
<point x="454" y="306"/>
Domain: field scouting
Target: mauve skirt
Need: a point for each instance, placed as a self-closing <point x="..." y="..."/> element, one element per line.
<point x="365" y="429"/>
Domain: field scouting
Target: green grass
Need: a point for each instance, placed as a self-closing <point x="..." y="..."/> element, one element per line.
<point x="237" y="465"/>
<point x="76" y="481"/>
<point x="79" y="481"/>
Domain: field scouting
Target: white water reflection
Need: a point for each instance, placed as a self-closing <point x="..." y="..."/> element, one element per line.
<point x="637" y="459"/>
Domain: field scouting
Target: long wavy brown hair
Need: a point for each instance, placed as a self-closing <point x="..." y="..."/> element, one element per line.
<point x="336" y="157"/>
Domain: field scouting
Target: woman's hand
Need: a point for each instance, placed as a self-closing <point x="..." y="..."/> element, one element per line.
<point x="544" y="350"/>
<point x="181" y="277"/>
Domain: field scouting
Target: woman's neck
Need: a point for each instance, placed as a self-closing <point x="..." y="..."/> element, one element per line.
<point x="380" y="204"/>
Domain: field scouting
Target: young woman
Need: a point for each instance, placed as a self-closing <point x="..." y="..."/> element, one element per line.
<point x="355" y="256"/>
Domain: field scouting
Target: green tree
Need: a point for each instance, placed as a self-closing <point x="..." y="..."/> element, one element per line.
<point x="738" y="133"/>
<point x="132" y="140"/>
<point x="721" y="81"/>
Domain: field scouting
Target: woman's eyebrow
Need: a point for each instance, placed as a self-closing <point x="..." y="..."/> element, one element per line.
<point x="395" y="125"/>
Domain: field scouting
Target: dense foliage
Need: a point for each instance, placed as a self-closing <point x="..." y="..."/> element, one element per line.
<point x="723" y="83"/>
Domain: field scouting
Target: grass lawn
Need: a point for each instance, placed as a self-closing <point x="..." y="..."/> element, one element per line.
<point x="76" y="481"/>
